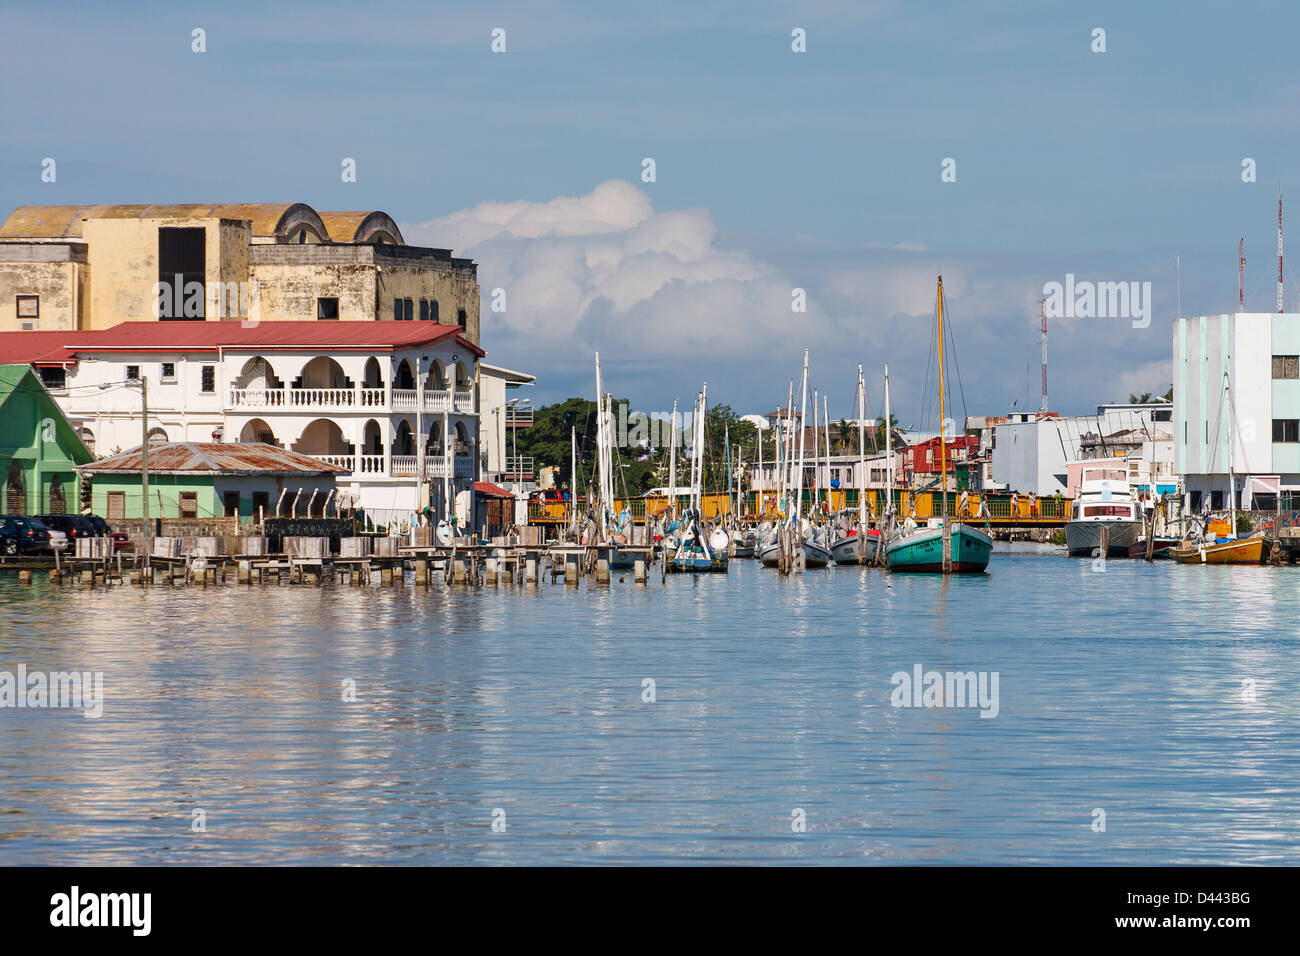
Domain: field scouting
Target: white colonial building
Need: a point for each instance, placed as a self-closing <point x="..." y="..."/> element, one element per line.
<point x="393" y="403"/>
<point x="1259" y="352"/>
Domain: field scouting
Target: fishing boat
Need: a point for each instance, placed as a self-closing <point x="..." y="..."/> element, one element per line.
<point x="1202" y="546"/>
<point x="744" y="542"/>
<point x="942" y="545"/>
<point x="847" y="547"/>
<point x="1103" y="509"/>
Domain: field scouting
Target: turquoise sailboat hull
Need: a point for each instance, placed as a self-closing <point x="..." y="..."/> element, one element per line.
<point x="922" y="550"/>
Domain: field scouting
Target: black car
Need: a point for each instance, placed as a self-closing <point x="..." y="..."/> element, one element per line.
<point x="74" y="526"/>
<point x="121" y="539"/>
<point x="21" y="534"/>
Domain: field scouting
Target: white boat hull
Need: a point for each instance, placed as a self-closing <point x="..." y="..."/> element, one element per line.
<point x="1084" y="537"/>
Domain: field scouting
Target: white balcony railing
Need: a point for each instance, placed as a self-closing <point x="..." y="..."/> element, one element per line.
<point x="370" y="464"/>
<point x="343" y="461"/>
<point x="377" y="399"/>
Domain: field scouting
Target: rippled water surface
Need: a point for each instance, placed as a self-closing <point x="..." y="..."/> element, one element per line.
<point x="1119" y="690"/>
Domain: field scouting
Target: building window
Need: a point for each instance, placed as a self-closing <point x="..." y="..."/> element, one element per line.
<point x="116" y="506"/>
<point x="433" y="310"/>
<point x="157" y="435"/>
<point x="397" y="310"/>
<point x="424" y="310"/>
<point x="169" y="371"/>
<point x="261" y="504"/>
<point x="28" y="306"/>
<point x="1286" y="429"/>
<point x="1216" y="500"/>
<point x="182" y="269"/>
<point x="1286" y="366"/>
<point x="133" y="373"/>
<point x="408" y="310"/>
<point x="327" y="307"/>
<point x="231" y="501"/>
<point x="54" y="378"/>
<point x="209" y="379"/>
<point x="462" y="318"/>
<point x="189" y="504"/>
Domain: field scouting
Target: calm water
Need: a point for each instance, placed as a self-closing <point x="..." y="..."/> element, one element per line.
<point x="1120" y="690"/>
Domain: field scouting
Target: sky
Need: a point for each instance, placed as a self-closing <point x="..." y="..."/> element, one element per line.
<point x="774" y="170"/>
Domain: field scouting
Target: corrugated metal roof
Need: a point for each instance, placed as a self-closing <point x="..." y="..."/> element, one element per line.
<point x="210" y="458"/>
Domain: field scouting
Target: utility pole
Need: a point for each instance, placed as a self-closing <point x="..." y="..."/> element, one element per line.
<point x="144" y="446"/>
<point x="1042" y="311"/>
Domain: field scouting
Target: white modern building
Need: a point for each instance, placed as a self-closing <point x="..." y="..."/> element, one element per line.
<point x="395" y="404"/>
<point x="503" y="414"/>
<point x="1258" y="354"/>
<point x="1032" y="451"/>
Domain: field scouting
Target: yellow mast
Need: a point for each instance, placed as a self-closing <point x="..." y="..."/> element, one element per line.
<point x="943" y="457"/>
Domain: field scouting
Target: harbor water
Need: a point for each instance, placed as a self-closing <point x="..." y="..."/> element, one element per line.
<point x="1144" y="714"/>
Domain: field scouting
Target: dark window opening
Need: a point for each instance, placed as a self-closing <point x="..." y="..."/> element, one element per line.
<point x="1286" y="429"/>
<point x="462" y="318"/>
<point x="397" y="310"/>
<point x="133" y="373"/>
<point x="408" y="310"/>
<point x="209" y="379"/>
<point x="327" y="307"/>
<point x="231" y="501"/>
<point x="54" y="377"/>
<point x="424" y="310"/>
<point x="1216" y="500"/>
<point x="261" y="503"/>
<point x="1286" y="366"/>
<point x="169" y="371"/>
<point x="182" y="262"/>
<point x="433" y="310"/>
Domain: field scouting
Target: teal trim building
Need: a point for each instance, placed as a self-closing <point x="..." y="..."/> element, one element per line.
<point x="39" y="450"/>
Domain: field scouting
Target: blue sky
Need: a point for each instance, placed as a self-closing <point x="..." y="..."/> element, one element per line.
<point x="774" y="169"/>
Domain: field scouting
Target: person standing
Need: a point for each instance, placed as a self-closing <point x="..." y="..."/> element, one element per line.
<point x="1015" y="504"/>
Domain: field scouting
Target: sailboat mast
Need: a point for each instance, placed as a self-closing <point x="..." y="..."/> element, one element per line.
<point x="1232" y="472"/>
<point x="943" y="457"/>
<point x="803" y="417"/>
<point x="862" y="453"/>
<point x="672" y="464"/>
<point x="826" y="423"/>
<point x="704" y="410"/>
<point x="889" y="450"/>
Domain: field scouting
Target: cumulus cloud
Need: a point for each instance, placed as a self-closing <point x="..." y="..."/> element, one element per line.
<point x="670" y="303"/>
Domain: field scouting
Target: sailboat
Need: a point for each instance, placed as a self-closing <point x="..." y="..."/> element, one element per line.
<point x="943" y="545"/>
<point x="698" y="549"/>
<point x="850" y="543"/>
<point x="1203" y="547"/>
<point x="612" y="528"/>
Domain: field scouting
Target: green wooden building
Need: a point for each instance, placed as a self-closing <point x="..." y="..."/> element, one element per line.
<point x="39" y="450"/>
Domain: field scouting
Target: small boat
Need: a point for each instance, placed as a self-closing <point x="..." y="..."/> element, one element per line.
<point x="815" y="552"/>
<point x="1228" y="551"/>
<point x="845" y="550"/>
<point x="1202" y="546"/>
<point x="1160" y="547"/>
<point x="1104" y="507"/>
<point x="744" y="543"/>
<point x="921" y="549"/>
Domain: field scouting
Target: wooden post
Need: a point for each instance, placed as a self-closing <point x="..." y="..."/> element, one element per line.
<point x="638" y="570"/>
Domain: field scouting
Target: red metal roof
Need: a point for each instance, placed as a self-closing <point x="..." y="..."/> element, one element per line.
<point x="491" y="490"/>
<point x="44" y="348"/>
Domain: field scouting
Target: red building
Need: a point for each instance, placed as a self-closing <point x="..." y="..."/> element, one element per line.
<point x="923" y="457"/>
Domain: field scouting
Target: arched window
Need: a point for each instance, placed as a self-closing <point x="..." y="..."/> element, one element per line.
<point x="157" y="435"/>
<point x="58" y="505"/>
<point x="15" y="496"/>
<point x="87" y="438"/>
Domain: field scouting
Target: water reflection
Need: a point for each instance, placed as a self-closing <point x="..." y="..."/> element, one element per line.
<point x="1120" y="689"/>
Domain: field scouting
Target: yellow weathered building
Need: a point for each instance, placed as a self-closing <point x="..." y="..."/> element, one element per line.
<point x="91" y="267"/>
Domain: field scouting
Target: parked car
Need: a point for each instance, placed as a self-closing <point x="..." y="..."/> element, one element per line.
<point x="74" y="526"/>
<point x="121" y="540"/>
<point x="20" y="534"/>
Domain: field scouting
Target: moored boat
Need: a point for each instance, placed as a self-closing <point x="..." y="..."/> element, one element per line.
<point x="1103" y="510"/>
<point x="1248" y="550"/>
<point x="921" y="549"/>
